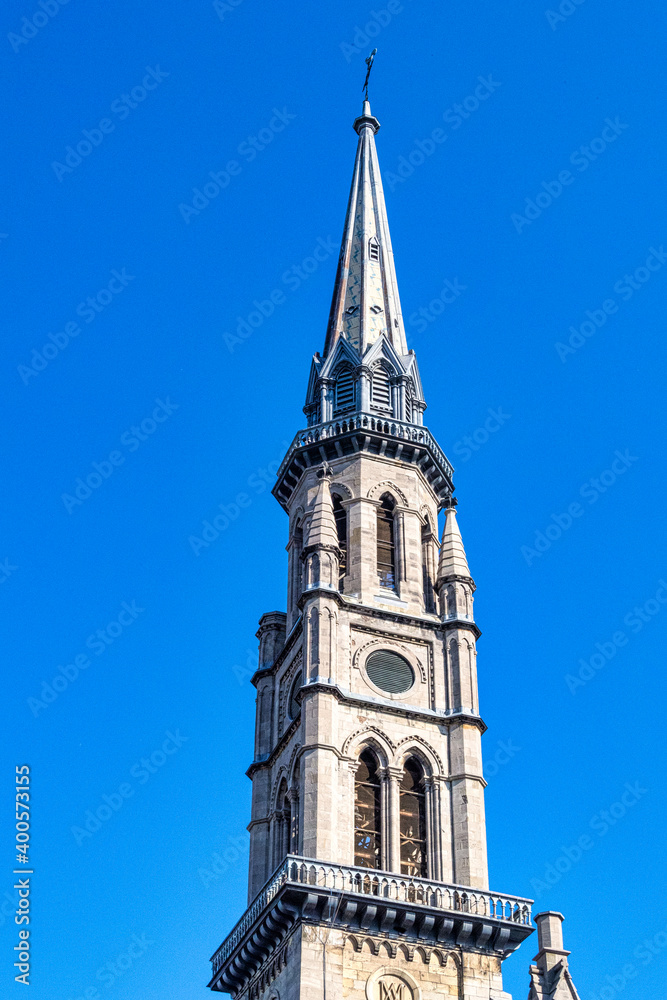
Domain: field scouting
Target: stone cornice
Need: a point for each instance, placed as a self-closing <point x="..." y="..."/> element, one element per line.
<point x="269" y="759"/>
<point x="395" y="708"/>
<point x="358" y="432"/>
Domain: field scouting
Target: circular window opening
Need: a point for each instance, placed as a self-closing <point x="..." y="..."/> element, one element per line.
<point x="389" y="671"/>
<point x="294" y="705"/>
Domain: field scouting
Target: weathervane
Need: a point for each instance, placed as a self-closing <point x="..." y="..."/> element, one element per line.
<point x="369" y="63"/>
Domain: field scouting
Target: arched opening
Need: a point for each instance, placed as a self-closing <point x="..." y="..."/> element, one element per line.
<point x="340" y="516"/>
<point x="294" y="705"/>
<point x="386" y="555"/>
<point x="428" y="566"/>
<point x="345" y="390"/>
<point x="294" y="827"/>
<point x="413" y="820"/>
<point x="282" y="825"/>
<point x="297" y="563"/>
<point x="367" y="822"/>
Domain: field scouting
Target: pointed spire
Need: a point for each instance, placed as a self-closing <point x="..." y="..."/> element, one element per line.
<point x="322" y="532"/>
<point x="453" y="560"/>
<point x="366" y="303"/>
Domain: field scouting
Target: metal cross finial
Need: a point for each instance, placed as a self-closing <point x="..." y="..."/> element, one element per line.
<point x="369" y="63"/>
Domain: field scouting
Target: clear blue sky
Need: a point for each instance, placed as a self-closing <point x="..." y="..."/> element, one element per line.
<point x="169" y="288"/>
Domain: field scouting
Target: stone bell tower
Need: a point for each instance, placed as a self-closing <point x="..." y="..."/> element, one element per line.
<point x="368" y="868"/>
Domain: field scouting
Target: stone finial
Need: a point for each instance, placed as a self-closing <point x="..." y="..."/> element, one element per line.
<point x="322" y="532"/>
<point x="452" y="560"/>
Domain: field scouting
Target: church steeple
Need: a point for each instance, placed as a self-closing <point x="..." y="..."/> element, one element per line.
<point x="366" y="366"/>
<point x="368" y="868"/>
<point x="365" y="302"/>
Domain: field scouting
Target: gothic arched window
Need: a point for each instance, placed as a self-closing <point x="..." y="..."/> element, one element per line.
<point x="294" y="705"/>
<point x="282" y="824"/>
<point x="386" y="556"/>
<point x="367" y="828"/>
<point x="345" y="391"/>
<point x="428" y="566"/>
<point x="413" y="820"/>
<point x="297" y="567"/>
<point x="340" y="516"/>
<point x="294" y="827"/>
<point x="380" y="387"/>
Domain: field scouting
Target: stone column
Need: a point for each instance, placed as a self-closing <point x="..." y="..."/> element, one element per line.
<point x="433" y="866"/>
<point x="364" y="389"/>
<point x="394" y="819"/>
<point x="385" y="817"/>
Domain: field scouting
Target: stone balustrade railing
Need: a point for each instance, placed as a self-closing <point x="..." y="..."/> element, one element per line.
<point x="367" y="421"/>
<point x="349" y="879"/>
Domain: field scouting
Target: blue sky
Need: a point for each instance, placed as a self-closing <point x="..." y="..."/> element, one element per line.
<point x="124" y="293"/>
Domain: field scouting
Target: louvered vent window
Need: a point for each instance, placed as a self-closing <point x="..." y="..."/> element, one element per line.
<point x="381" y="390"/>
<point x="408" y="402"/>
<point x="345" y="393"/>
<point x="373" y="249"/>
<point x="389" y="671"/>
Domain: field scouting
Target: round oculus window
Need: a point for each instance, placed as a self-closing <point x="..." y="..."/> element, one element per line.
<point x="389" y="671"/>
